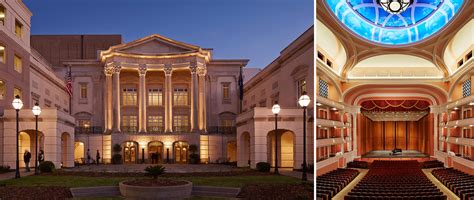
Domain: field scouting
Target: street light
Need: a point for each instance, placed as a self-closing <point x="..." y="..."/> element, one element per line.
<point x="304" y="102"/>
<point x="36" y="111"/>
<point x="17" y="104"/>
<point x="275" y="111"/>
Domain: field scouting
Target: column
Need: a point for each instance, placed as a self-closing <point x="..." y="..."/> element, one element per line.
<point x="108" y="71"/>
<point x="354" y="133"/>
<point x="116" y="98"/>
<point x="201" y="71"/>
<point x="142" y="99"/>
<point x="194" y="98"/>
<point x="168" y="99"/>
<point x="436" y="127"/>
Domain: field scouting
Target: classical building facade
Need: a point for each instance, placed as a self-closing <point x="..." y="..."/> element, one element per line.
<point x="283" y="81"/>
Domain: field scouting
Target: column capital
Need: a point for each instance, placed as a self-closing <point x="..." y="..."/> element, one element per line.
<point x="168" y="70"/>
<point x="193" y="68"/>
<point x="142" y="68"/>
<point x="201" y="70"/>
<point x="108" y="70"/>
<point x="117" y="68"/>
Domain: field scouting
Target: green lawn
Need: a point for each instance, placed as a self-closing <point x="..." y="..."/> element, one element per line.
<point x="64" y="181"/>
<point x="82" y="181"/>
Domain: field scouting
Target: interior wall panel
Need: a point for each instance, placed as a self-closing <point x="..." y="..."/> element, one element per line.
<point x="389" y="135"/>
<point x="401" y="135"/>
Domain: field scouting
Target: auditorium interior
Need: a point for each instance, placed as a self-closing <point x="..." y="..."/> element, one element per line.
<point x="394" y="99"/>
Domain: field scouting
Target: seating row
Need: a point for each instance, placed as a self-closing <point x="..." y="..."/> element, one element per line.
<point x="329" y="184"/>
<point x="460" y="183"/>
<point x="358" y="164"/>
<point x="432" y="164"/>
<point x="398" y="180"/>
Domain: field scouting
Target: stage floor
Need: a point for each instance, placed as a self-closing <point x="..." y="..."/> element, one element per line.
<point x="387" y="154"/>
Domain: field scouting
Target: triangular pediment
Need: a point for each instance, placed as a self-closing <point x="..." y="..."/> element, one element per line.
<point x="155" y="44"/>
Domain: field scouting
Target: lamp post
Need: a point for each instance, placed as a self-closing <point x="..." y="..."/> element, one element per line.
<point x="17" y="104"/>
<point x="275" y="111"/>
<point x="36" y="111"/>
<point x="304" y="102"/>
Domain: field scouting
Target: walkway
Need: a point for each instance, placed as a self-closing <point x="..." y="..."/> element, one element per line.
<point x="10" y="175"/>
<point x="170" y="168"/>
<point x="351" y="185"/>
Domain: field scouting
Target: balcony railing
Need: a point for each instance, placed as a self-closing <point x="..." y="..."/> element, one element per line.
<point x="155" y="129"/>
<point x="88" y="130"/>
<point x="181" y="129"/>
<point x="222" y="130"/>
<point x="129" y="129"/>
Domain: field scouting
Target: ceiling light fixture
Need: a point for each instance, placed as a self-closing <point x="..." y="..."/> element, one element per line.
<point x="395" y="6"/>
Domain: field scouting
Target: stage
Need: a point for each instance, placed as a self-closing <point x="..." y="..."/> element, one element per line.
<point x="388" y="154"/>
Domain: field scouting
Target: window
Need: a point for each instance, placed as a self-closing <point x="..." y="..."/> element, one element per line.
<point x="227" y="123"/>
<point x="180" y="97"/>
<point x="17" y="63"/>
<point x="129" y="97"/>
<point x="155" y="124"/>
<point x="18" y="28"/>
<point x="180" y="123"/>
<point x="466" y="88"/>
<point x="226" y="93"/>
<point x="129" y="123"/>
<point x="3" y="54"/>
<point x="320" y="56"/>
<point x="84" y="123"/>
<point x="16" y="91"/>
<point x="2" y="90"/>
<point x="301" y="87"/>
<point x="83" y="90"/>
<point x="155" y="97"/>
<point x="2" y="14"/>
<point x="262" y="103"/>
<point x="323" y="88"/>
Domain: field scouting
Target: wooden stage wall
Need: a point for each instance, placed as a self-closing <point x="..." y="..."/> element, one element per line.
<point x="405" y="135"/>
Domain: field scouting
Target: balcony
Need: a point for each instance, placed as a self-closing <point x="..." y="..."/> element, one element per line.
<point x="222" y="130"/>
<point x="155" y="129"/>
<point x="181" y="129"/>
<point x="88" y="130"/>
<point x="129" y="129"/>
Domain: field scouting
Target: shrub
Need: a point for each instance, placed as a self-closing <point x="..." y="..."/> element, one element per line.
<point x="4" y="168"/>
<point x="194" y="158"/>
<point x="117" y="159"/>
<point x="263" y="167"/>
<point x="46" y="166"/>
<point x="117" y="148"/>
<point x="154" y="171"/>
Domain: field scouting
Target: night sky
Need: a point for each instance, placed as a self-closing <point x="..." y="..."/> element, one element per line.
<point x="237" y="29"/>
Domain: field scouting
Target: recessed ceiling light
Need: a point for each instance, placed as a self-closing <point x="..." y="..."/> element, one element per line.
<point x="319" y="104"/>
<point x="456" y="108"/>
<point x="471" y="103"/>
<point x="333" y="108"/>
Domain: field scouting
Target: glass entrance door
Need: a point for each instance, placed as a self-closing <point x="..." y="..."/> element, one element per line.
<point x="181" y="152"/>
<point x="130" y="153"/>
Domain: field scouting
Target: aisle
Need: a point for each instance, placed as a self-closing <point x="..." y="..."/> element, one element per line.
<point x="352" y="184"/>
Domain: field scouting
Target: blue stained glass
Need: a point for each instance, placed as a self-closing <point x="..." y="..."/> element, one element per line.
<point x="421" y="20"/>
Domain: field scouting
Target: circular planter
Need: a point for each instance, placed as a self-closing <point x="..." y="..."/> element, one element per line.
<point x="156" y="192"/>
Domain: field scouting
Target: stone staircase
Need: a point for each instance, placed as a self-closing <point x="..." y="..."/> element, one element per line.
<point x="111" y="191"/>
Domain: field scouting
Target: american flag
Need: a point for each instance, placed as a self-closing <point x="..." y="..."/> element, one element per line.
<point x="69" y="82"/>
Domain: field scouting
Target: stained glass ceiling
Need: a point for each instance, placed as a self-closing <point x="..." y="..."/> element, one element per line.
<point x="367" y="19"/>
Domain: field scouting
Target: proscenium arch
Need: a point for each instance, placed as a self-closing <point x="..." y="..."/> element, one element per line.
<point x="437" y="94"/>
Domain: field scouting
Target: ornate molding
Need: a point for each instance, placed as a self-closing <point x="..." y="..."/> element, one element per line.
<point x="193" y="67"/>
<point x="108" y="70"/>
<point x="116" y="67"/>
<point x="142" y="68"/>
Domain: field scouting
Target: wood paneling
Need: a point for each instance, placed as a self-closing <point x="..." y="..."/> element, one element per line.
<point x="389" y="135"/>
<point x="401" y="135"/>
<point x="378" y="136"/>
<point x="412" y="136"/>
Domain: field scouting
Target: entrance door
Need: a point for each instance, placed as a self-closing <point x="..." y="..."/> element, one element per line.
<point x="155" y="152"/>
<point x="130" y="154"/>
<point x="181" y="152"/>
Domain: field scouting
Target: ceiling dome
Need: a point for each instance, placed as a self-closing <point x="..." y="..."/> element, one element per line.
<point x="369" y="20"/>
